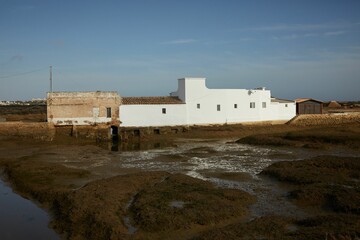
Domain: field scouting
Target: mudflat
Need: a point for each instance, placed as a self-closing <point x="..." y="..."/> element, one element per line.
<point x="193" y="187"/>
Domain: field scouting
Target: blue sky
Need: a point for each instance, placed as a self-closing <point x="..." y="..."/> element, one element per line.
<point x="140" y="48"/>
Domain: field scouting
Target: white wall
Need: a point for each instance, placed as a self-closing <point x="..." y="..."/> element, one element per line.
<point x="151" y="115"/>
<point x="282" y="111"/>
<point x="193" y="91"/>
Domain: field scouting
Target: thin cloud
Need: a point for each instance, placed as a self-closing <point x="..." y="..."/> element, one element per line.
<point x="57" y="43"/>
<point x="308" y="35"/>
<point x="16" y="58"/>
<point x="336" y="33"/>
<point x="293" y="27"/>
<point x="245" y="39"/>
<point x="302" y="27"/>
<point x="13" y="59"/>
<point x="311" y="34"/>
<point x="181" y="41"/>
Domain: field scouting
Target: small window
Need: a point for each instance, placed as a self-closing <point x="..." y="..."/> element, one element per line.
<point x="235" y="105"/>
<point x="108" y="112"/>
<point x="164" y="110"/>
<point x="252" y="105"/>
<point x="263" y="104"/>
<point x="286" y="105"/>
<point x="198" y="106"/>
<point x="218" y="107"/>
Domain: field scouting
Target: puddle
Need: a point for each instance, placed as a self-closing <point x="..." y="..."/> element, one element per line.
<point x="127" y="220"/>
<point x="177" y="204"/>
<point x="22" y="219"/>
<point x="131" y="229"/>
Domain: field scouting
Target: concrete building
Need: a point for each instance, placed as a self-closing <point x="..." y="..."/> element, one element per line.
<point x="83" y="108"/>
<point x="194" y="104"/>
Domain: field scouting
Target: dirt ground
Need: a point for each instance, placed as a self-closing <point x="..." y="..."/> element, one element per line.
<point x="138" y="204"/>
<point x="27" y="113"/>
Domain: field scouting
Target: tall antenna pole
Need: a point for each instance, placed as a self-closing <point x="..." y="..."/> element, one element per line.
<point x="50" y="78"/>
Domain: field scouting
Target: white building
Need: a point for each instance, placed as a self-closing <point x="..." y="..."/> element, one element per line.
<point x="194" y="104"/>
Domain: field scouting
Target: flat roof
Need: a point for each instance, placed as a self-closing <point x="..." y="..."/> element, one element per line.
<point x="151" y="100"/>
<point x="279" y="100"/>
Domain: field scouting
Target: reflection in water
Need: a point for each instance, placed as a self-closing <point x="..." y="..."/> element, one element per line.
<point x="116" y="146"/>
<point x="22" y="219"/>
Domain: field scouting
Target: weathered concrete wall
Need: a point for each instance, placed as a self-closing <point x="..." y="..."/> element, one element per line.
<point x="325" y="119"/>
<point x="83" y="108"/>
<point x="100" y="132"/>
<point x="48" y="132"/>
<point x="33" y="130"/>
<point x="129" y="133"/>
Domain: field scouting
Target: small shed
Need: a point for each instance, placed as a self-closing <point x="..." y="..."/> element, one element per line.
<point x="308" y="106"/>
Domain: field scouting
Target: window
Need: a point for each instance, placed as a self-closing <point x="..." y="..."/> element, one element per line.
<point x="108" y="112"/>
<point x="198" y="106"/>
<point x="252" y="105"/>
<point x="263" y="104"/>
<point x="218" y="107"/>
<point x="285" y="105"/>
<point x="235" y="105"/>
<point x="164" y="110"/>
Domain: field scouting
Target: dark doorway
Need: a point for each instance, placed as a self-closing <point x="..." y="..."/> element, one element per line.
<point x="114" y="131"/>
<point x="136" y="132"/>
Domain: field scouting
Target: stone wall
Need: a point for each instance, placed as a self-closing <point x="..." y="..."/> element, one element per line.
<point x="48" y="132"/>
<point x="325" y="119"/>
<point x="32" y="130"/>
<point x="83" y="108"/>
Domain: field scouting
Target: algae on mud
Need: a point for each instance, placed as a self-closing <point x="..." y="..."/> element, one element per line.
<point x="328" y="187"/>
<point x="317" y="137"/>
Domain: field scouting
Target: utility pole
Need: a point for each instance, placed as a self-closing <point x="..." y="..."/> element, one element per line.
<point x="50" y="78"/>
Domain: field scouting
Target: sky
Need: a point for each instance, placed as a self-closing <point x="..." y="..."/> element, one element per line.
<point x="295" y="48"/>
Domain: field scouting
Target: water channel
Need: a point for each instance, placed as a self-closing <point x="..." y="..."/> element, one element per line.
<point x="22" y="219"/>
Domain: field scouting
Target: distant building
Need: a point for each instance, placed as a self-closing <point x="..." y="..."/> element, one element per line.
<point x="308" y="106"/>
<point x="194" y="104"/>
<point x="83" y="108"/>
<point x="334" y="104"/>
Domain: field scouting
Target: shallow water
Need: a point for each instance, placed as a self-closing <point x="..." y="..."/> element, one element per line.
<point x="197" y="158"/>
<point x="22" y="219"/>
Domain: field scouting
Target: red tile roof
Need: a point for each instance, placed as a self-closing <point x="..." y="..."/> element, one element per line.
<point x="300" y="100"/>
<point x="150" y="100"/>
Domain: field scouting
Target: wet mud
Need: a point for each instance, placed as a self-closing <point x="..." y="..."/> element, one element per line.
<point x="192" y="188"/>
<point x="329" y="188"/>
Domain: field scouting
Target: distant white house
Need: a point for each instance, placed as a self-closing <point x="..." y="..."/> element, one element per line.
<point x="193" y="103"/>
